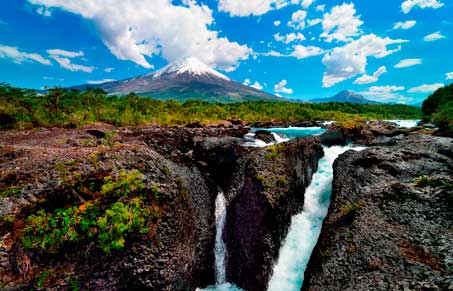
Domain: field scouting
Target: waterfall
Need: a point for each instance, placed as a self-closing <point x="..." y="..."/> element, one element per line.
<point x="288" y="273"/>
<point x="220" y="247"/>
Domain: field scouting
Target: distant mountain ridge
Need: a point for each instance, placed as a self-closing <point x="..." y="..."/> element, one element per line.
<point x="346" y="96"/>
<point x="185" y="79"/>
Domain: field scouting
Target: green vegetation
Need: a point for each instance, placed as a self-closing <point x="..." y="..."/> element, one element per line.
<point x="124" y="209"/>
<point x="21" y="109"/>
<point x="349" y="211"/>
<point x="438" y="107"/>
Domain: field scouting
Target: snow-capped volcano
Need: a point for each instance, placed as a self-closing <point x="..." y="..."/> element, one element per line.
<point x="188" y="78"/>
<point x="189" y="65"/>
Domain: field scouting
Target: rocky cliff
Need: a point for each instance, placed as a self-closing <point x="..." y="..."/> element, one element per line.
<point x="268" y="191"/>
<point x="106" y="208"/>
<point x="390" y="223"/>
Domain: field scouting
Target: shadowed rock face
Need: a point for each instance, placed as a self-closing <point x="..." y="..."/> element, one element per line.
<point x="268" y="190"/>
<point x="385" y="229"/>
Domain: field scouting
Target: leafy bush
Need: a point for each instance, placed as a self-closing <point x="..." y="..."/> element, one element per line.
<point x="123" y="184"/>
<point x="105" y="222"/>
<point x="438" y="107"/>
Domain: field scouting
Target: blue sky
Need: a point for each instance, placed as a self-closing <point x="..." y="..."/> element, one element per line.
<point x="388" y="50"/>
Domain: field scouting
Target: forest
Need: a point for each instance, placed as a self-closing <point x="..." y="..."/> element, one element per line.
<point x="24" y="108"/>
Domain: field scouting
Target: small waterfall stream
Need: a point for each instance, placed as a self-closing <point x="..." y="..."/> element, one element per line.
<point x="288" y="273"/>
<point x="220" y="249"/>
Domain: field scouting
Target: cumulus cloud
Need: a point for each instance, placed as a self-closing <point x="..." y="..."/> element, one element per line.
<point x="341" y="24"/>
<point x="63" y="58"/>
<point x="307" y="3"/>
<point x="19" y="57"/>
<point x="96" y="82"/>
<point x="108" y="70"/>
<point x="252" y="7"/>
<point x="136" y="29"/>
<point x="367" y="79"/>
<point x="313" y="22"/>
<point x="407" y="5"/>
<point x="289" y="38"/>
<point x="343" y="63"/>
<point x="298" y="19"/>
<point x="386" y="94"/>
<point x="434" y="36"/>
<point x="426" y="88"/>
<point x="408" y="63"/>
<point x="302" y="52"/>
<point x="281" y="88"/>
<point x="321" y="8"/>
<point x="277" y="23"/>
<point x="449" y="76"/>
<point x="405" y="25"/>
<point x="256" y="85"/>
<point x="44" y="11"/>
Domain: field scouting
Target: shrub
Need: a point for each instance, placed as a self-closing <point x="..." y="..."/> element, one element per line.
<point x="349" y="211"/>
<point x="123" y="184"/>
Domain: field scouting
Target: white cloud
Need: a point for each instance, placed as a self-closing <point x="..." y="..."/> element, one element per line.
<point x="44" y="11"/>
<point x="96" y="82"/>
<point x="426" y="88"/>
<point x="408" y="63"/>
<point x="386" y="94"/>
<point x="19" y="57"/>
<point x="281" y="88"/>
<point x="63" y="58"/>
<point x="367" y="79"/>
<point x="255" y="85"/>
<point x="298" y="19"/>
<point x="345" y="62"/>
<point x="434" y="36"/>
<point x="108" y="70"/>
<point x="449" y="76"/>
<point x="407" y="5"/>
<point x="307" y="3"/>
<point x="252" y="7"/>
<point x="64" y="53"/>
<point x="302" y="52"/>
<point x="277" y="23"/>
<point x="313" y="22"/>
<point x="341" y="23"/>
<point x="136" y="29"/>
<point x="405" y="25"/>
<point x="321" y="8"/>
<point x="289" y="38"/>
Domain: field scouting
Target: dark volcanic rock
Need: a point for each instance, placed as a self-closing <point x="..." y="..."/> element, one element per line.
<point x="390" y="223"/>
<point x="265" y="136"/>
<point x="267" y="191"/>
<point x="360" y="133"/>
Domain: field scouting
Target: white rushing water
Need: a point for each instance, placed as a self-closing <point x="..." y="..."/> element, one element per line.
<point x="220" y="249"/>
<point x="280" y="135"/>
<point x="404" y="123"/>
<point x="288" y="273"/>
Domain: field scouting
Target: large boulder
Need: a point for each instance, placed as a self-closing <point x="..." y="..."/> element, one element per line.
<point x="389" y="224"/>
<point x="267" y="190"/>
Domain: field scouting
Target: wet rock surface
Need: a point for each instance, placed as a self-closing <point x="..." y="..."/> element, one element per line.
<point x="390" y="224"/>
<point x="267" y="191"/>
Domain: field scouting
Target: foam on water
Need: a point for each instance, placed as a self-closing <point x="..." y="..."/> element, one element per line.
<point x="404" y="123"/>
<point x="281" y="135"/>
<point x="288" y="273"/>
